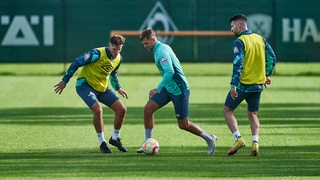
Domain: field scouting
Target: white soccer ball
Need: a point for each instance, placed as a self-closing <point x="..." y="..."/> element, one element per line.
<point x="150" y="146"/>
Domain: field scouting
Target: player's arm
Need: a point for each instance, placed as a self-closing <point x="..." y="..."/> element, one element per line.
<point x="270" y="62"/>
<point x="167" y="74"/>
<point x="114" y="79"/>
<point x="115" y="82"/>
<point x="270" y="59"/>
<point x="82" y="60"/>
<point x="238" y="62"/>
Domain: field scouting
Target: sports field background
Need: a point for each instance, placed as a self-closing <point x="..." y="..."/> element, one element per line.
<point x="44" y="135"/>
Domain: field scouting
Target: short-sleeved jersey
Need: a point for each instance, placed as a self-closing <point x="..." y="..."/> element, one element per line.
<point x="173" y="78"/>
<point x="253" y="60"/>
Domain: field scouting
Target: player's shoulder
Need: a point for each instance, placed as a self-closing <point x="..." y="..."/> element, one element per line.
<point x="99" y="49"/>
<point x="238" y="42"/>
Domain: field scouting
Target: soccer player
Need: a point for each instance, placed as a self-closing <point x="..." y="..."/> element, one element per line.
<point x="173" y="87"/>
<point x="253" y="63"/>
<point x="99" y="66"/>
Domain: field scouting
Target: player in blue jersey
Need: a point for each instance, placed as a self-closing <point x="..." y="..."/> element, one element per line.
<point x="173" y="87"/>
<point x="99" y="66"/>
<point x="253" y="63"/>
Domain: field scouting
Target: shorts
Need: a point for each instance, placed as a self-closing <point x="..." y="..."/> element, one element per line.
<point x="252" y="99"/>
<point x="91" y="96"/>
<point x="180" y="102"/>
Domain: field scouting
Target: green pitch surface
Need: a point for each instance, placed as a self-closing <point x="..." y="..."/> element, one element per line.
<point x="47" y="136"/>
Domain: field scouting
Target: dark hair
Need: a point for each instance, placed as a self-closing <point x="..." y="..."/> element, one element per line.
<point x="240" y="17"/>
<point x="147" y="33"/>
<point x="117" y="40"/>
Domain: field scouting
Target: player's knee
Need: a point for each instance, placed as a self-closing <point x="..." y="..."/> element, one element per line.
<point x="123" y="110"/>
<point x="227" y="111"/>
<point x="148" y="110"/>
<point x="252" y="115"/>
<point x="97" y="108"/>
<point x="183" y="124"/>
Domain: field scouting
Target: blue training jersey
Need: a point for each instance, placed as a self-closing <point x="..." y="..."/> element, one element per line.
<point x="173" y="78"/>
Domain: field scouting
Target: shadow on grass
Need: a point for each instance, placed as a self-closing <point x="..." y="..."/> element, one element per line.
<point x="172" y="162"/>
<point x="293" y="114"/>
<point x="183" y="162"/>
<point x="277" y="114"/>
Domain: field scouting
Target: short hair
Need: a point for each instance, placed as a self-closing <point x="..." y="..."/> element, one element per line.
<point x="117" y="39"/>
<point x="237" y="17"/>
<point x="147" y="33"/>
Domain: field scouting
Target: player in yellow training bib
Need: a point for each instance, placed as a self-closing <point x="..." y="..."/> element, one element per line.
<point x="253" y="63"/>
<point x="99" y="67"/>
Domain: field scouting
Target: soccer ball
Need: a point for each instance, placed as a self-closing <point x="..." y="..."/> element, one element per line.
<point x="150" y="146"/>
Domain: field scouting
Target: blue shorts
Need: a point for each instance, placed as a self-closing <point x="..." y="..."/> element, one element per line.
<point x="252" y="99"/>
<point x="91" y="96"/>
<point x="180" y="102"/>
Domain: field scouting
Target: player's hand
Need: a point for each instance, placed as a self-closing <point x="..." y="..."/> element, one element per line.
<point x="123" y="93"/>
<point x="233" y="92"/>
<point x="59" y="87"/>
<point x="153" y="92"/>
<point x="267" y="82"/>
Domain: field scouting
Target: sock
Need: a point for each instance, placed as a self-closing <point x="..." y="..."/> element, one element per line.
<point x="115" y="134"/>
<point x="205" y="136"/>
<point x="148" y="133"/>
<point x="255" y="138"/>
<point x="236" y="135"/>
<point x="101" y="137"/>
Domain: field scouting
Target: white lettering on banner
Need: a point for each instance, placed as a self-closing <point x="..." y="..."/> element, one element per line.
<point x="48" y="33"/>
<point x="310" y="30"/>
<point x="20" y="32"/>
<point x="294" y="28"/>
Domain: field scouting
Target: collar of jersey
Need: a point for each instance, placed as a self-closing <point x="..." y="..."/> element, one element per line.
<point x="109" y="54"/>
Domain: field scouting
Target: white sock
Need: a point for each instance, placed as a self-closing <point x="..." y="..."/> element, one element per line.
<point x="148" y="133"/>
<point x="101" y="137"/>
<point x="115" y="134"/>
<point x="236" y="135"/>
<point x="255" y="138"/>
<point x="205" y="136"/>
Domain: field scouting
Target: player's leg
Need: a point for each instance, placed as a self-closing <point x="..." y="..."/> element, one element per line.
<point x="120" y="111"/>
<point x="181" y="107"/>
<point x="255" y="127"/>
<point x="193" y="128"/>
<point x="110" y="99"/>
<point x="97" y="111"/>
<point x="187" y="125"/>
<point x="148" y="116"/>
<point x="89" y="96"/>
<point x="253" y="101"/>
<point x="229" y="107"/>
<point x="154" y="103"/>
<point x="231" y="121"/>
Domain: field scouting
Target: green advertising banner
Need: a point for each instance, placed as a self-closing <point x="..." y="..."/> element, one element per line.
<point x="61" y="30"/>
<point x="297" y="30"/>
<point x="31" y="31"/>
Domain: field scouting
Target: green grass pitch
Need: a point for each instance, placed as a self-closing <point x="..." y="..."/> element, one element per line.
<point x="47" y="136"/>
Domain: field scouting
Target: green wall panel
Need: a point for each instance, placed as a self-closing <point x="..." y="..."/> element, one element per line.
<point x="31" y="31"/>
<point x="61" y="30"/>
